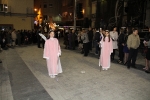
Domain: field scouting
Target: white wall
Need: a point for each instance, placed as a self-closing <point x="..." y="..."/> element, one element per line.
<point x="18" y="22"/>
<point x="19" y="6"/>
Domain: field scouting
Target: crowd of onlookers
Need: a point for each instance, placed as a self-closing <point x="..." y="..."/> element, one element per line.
<point x="126" y="41"/>
<point x="12" y="38"/>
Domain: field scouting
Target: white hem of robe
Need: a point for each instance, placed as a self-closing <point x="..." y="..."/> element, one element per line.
<point x="59" y="67"/>
<point x="46" y="57"/>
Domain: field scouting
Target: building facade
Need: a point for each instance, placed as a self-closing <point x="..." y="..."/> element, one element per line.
<point x="50" y="10"/>
<point x="147" y="21"/>
<point x="86" y="11"/>
<point x="17" y="14"/>
<point x="82" y="10"/>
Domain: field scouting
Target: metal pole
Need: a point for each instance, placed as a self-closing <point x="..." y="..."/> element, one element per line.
<point x="74" y="14"/>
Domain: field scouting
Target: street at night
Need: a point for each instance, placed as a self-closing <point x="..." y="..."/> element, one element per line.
<point x="24" y="76"/>
<point x="74" y="49"/>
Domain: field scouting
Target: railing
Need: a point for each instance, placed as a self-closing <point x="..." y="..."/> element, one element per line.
<point x="18" y="14"/>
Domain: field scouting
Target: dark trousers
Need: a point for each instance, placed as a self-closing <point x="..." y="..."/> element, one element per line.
<point x="86" y="48"/>
<point x="38" y="42"/>
<point x="121" y="53"/>
<point x="19" y="41"/>
<point x="70" y="44"/>
<point x="132" y="56"/>
<point x="43" y="43"/>
<point x="113" y="54"/>
<point x="96" y="48"/>
<point x="90" y="45"/>
<point x="99" y="51"/>
<point x="3" y="44"/>
<point x="73" y="45"/>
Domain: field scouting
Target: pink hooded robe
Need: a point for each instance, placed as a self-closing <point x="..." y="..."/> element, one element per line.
<point x="106" y="50"/>
<point x="51" y="53"/>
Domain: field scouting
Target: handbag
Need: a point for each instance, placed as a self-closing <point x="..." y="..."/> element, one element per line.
<point x="145" y="49"/>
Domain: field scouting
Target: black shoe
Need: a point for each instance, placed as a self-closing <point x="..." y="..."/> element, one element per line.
<point x="85" y="55"/>
<point x="119" y="61"/>
<point x="0" y="61"/>
<point x="82" y="52"/>
<point x="147" y="71"/>
<point x="125" y="63"/>
<point x="134" y="66"/>
<point x="112" y="58"/>
<point x="128" y="67"/>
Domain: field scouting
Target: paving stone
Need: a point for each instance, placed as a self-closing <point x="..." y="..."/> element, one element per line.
<point x="118" y="83"/>
<point x="22" y="83"/>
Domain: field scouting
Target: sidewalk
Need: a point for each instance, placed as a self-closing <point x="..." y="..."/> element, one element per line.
<point x="20" y="83"/>
<point x="118" y="83"/>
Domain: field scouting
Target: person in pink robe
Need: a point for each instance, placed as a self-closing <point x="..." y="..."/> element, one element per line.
<point x="106" y="50"/>
<point x="51" y="54"/>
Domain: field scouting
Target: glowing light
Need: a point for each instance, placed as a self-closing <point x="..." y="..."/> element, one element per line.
<point x="35" y="9"/>
<point x="83" y="11"/>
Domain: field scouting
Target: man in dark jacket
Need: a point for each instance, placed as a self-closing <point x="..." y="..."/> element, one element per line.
<point x="90" y="35"/>
<point x="73" y="39"/>
<point x="97" y="40"/>
<point x="66" y="41"/>
<point x="121" y="45"/>
<point x="38" y="38"/>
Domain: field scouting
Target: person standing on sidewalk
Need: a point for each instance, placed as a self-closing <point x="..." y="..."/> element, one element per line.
<point x="14" y="37"/>
<point x="147" y="43"/>
<point x="38" y="38"/>
<point x="125" y="48"/>
<point x="85" y="40"/>
<point x="114" y="37"/>
<point x="66" y="41"/>
<point x="74" y="38"/>
<point x="0" y="45"/>
<point x="133" y="43"/>
<point x="90" y="35"/>
<point x="121" y="45"/>
<point x="97" y="40"/>
<point x="51" y="53"/>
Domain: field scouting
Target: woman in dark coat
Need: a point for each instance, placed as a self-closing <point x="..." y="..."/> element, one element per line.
<point x="121" y="45"/>
<point x="147" y="43"/>
<point x="66" y="42"/>
<point x="125" y="48"/>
